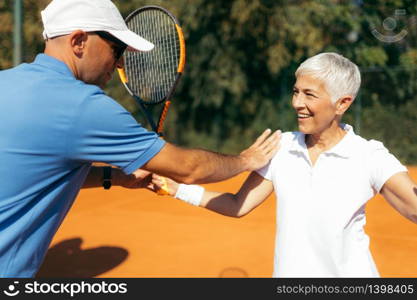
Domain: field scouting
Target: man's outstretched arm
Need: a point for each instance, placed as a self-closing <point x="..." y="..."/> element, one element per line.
<point x="202" y="166"/>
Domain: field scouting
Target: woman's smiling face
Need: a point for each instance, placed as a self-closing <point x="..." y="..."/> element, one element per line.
<point x="313" y="105"/>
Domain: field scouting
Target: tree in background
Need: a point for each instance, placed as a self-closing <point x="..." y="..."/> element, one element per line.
<point x="241" y="58"/>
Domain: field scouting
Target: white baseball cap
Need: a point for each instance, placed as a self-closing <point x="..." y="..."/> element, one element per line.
<point x="62" y="17"/>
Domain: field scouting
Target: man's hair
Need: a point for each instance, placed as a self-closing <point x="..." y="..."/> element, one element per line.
<point x="340" y="76"/>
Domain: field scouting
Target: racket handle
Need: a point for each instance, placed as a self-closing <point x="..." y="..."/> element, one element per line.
<point x="162" y="118"/>
<point x="164" y="188"/>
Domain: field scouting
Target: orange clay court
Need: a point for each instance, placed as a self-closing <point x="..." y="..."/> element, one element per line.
<point x="134" y="233"/>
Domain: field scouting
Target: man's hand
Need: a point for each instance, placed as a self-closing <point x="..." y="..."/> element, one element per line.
<point x="262" y="151"/>
<point x="138" y="179"/>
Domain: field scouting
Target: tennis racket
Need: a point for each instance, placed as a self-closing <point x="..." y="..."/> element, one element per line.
<point x="152" y="77"/>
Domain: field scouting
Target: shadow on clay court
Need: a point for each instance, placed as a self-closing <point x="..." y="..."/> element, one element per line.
<point x="67" y="259"/>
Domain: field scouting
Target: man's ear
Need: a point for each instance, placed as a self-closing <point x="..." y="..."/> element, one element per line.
<point x="78" y="40"/>
<point x="343" y="104"/>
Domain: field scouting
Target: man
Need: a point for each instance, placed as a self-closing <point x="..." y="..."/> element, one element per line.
<point x="323" y="176"/>
<point x="56" y="121"/>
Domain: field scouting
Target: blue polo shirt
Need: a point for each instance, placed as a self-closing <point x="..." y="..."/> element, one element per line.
<point x="53" y="127"/>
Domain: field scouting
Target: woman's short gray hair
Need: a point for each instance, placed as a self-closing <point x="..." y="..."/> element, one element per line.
<point x="340" y="76"/>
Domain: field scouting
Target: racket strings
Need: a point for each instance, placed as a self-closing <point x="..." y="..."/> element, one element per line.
<point x="151" y="75"/>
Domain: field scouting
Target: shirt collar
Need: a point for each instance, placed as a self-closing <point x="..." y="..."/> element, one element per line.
<point x="53" y="64"/>
<point x="346" y="145"/>
<point x="342" y="149"/>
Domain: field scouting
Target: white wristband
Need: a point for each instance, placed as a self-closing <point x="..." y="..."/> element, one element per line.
<point x="190" y="193"/>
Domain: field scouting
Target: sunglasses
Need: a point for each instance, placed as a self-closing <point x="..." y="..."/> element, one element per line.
<point x="118" y="46"/>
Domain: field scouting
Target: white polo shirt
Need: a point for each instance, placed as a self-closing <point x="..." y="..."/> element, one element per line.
<point x="321" y="208"/>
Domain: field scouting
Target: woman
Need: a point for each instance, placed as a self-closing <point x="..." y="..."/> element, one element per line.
<point x="323" y="177"/>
